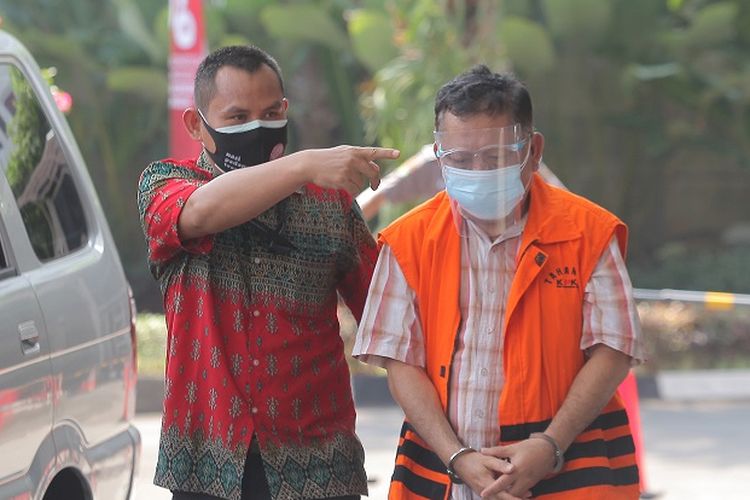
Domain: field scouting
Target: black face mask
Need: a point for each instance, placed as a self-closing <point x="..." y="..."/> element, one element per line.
<point x="248" y="144"/>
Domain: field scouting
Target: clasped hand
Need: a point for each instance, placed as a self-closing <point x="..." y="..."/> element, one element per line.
<point x="506" y="472"/>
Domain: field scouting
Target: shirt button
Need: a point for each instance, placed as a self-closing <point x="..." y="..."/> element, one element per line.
<point x="479" y="414"/>
<point x="256" y="313"/>
<point x="484" y="372"/>
<point x="256" y="260"/>
<point x="256" y="362"/>
<point x="254" y="410"/>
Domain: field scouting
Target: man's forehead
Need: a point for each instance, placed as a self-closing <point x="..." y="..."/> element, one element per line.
<point x="452" y="122"/>
<point x="474" y="138"/>
<point x="237" y="108"/>
<point x="240" y="90"/>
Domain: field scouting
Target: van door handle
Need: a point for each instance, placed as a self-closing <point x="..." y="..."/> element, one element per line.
<point x="29" y="336"/>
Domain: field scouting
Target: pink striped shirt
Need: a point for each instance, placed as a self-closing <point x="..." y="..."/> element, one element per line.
<point x="390" y="327"/>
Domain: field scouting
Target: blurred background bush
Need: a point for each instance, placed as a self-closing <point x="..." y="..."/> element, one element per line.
<point x="684" y="336"/>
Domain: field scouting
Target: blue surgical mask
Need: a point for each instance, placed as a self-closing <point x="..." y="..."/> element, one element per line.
<point x="485" y="194"/>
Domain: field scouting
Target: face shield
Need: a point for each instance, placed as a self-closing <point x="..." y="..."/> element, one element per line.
<point x="482" y="171"/>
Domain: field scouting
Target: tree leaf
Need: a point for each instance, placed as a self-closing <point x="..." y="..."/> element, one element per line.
<point x="303" y="22"/>
<point x="528" y="45"/>
<point x="371" y="33"/>
<point x="132" y="23"/>
<point x="243" y="13"/>
<point x="713" y="24"/>
<point x="161" y="29"/>
<point x="675" y="5"/>
<point x="144" y="81"/>
<point x="578" y="19"/>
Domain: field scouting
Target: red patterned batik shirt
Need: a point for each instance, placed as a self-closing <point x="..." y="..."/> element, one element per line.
<point x="253" y="344"/>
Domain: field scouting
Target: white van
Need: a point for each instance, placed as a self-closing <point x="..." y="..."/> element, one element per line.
<point x="67" y="335"/>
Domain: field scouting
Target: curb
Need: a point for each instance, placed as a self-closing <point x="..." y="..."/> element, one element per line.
<point x="371" y="390"/>
<point x="149" y="394"/>
<point x="704" y="385"/>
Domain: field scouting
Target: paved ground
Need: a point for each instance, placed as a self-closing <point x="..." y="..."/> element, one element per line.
<point x="694" y="450"/>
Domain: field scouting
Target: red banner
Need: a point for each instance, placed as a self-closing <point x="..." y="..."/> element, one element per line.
<point x="187" y="48"/>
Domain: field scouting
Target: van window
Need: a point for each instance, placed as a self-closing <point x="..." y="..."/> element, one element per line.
<point x="37" y="170"/>
<point x="3" y="260"/>
<point x="6" y="265"/>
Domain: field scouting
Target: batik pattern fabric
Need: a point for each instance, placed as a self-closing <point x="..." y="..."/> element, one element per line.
<point x="253" y="344"/>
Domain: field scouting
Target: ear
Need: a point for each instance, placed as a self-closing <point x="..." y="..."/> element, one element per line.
<point x="435" y="148"/>
<point x="537" y="150"/>
<point x="285" y="104"/>
<point x="192" y="123"/>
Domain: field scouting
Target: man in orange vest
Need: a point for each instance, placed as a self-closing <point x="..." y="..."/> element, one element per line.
<point x="503" y="312"/>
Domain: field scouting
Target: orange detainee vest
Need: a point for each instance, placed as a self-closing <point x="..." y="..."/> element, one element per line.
<point x="562" y="242"/>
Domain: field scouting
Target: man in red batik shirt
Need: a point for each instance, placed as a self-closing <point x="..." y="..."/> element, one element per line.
<point x="251" y="248"/>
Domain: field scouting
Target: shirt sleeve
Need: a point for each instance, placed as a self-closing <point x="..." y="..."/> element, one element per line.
<point x="390" y="326"/>
<point x="163" y="191"/>
<point x="610" y="316"/>
<point x="353" y="287"/>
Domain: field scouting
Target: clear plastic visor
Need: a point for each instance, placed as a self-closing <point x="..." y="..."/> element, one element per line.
<point x="482" y="149"/>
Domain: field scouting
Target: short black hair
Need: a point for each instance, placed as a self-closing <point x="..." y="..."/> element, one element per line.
<point x="247" y="57"/>
<point x="480" y="91"/>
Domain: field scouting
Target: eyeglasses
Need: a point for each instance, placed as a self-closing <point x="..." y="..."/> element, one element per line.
<point x="486" y="158"/>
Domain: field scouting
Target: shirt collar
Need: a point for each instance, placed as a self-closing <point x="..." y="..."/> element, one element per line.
<point x="512" y="231"/>
<point x="207" y="165"/>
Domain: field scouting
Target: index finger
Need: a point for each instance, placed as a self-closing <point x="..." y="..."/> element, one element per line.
<point x="495" y="451"/>
<point x="499" y="465"/>
<point x="503" y="483"/>
<point x="375" y="153"/>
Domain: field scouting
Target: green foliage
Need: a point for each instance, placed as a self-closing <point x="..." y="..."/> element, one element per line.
<point x="132" y="24"/>
<point x="620" y="112"/>
<point x="434" y="40"/>
<point x="678" y="266"/>
<point x="527" y="44"/>
<point x="160" y="28"/>
<point x="143" y="81"/>
<point x="683" y="336"/>
<point x="675" y="5"/>
<point x="215" y="26"/>
<point x="151" y="332"/>
<point x="27" y="131"/>
<point x="371" y="34"/>
<point x="713" y="25"/>
<point x="577" y="20"/>
<point x="304" y="22"/>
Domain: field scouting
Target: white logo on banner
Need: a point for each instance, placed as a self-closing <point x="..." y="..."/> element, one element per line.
<point x="184" y="25"/>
